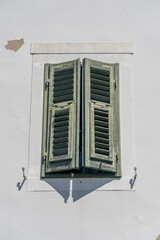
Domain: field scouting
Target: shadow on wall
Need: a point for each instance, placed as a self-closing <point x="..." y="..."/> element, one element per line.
<point x="82" y="187"/>
<point x="77" y="187"/>
<point x="62" y="186"/>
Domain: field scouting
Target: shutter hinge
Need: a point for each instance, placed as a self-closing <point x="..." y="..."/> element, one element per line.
<point x="49" y="72"/>
<point x="117" y="162"/>
<point x="44" y="156"/>
<point x="115" y="84"/>
<point x="47" y="82"/>
<point x="116" y="158"/>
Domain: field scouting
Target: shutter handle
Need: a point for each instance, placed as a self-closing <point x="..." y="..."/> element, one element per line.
<point x="132" y="180"/>
<point x="135" y="176"/>
<point x="24" y="176"/>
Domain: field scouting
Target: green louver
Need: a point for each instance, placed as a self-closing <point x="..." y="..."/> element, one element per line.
<point x="61" y="117"/>
<point x="100" y="117"/>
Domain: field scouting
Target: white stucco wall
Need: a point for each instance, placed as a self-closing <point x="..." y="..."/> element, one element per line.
<point x="85" y="214"/>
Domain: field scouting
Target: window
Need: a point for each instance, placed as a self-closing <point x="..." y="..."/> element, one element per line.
<point x="86" y="178"/>
<point x="81" y="130"/>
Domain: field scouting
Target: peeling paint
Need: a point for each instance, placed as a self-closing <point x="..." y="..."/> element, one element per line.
<point x="15" y="45"/>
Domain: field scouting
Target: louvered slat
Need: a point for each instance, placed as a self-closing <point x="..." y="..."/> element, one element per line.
<point x="100" y="85"/>
<point x="63" y="85"/>
<point x="60" y="133"/>
<point x="101" y="120"/>
<point x="100" y="123"/>
<point x="61" y="117"/>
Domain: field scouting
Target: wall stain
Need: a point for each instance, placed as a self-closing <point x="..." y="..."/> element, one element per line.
<point x="15" y="45"/>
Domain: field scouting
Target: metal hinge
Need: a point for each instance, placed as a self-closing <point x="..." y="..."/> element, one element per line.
<point x="115" y="84"/>
<point x="117" y="158"/>
<point x="117" y="162"/>
<point x="44" y="156"/>
<point x="47" y="82"/>
<point x="49" y="72"/>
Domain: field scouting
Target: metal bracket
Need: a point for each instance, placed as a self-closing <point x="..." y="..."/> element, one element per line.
<point x="19" y="185"/>
<point x="132" y="180"/>
<point x="135" y="175"/>
<point x="24" y="176"/>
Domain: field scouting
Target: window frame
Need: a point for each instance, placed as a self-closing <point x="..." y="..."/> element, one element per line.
<point x="121" y="52"/>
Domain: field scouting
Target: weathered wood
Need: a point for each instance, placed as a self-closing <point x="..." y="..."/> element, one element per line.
<point x="60" y="144"/>
<point x="101" y="126"/>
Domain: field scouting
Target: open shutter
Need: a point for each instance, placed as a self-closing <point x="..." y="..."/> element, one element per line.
<point x="100" y="126"/>
<point x="60" y="146"/>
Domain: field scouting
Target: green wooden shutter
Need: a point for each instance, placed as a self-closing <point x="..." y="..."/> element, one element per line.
<point x="60" y="145"/>
<point x="100" y="124"/>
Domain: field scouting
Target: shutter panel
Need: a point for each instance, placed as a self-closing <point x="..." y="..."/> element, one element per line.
<point x="60" y="150"/>
<point x="100" y="126"/>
